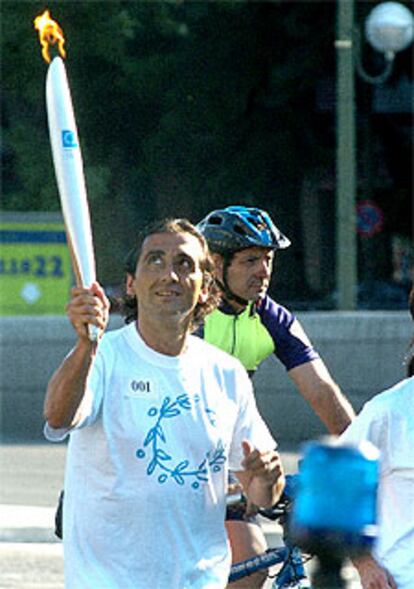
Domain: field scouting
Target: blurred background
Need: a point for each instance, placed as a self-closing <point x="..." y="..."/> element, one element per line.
<point x="183" y="107"/>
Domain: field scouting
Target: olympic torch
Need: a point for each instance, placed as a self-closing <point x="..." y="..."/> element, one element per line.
<point x="67" y="158"/>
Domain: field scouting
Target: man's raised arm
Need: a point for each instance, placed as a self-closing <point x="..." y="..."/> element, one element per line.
<point x="67" y="386"/>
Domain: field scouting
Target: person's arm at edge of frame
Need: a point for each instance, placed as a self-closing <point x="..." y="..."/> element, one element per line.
<point x="372" y="574"/>
<point x="263" y="478"/>
<point x="319" y="389"/>
<point x="67" y="385"/>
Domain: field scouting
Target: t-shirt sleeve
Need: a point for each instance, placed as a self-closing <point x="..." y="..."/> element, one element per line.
<point x="368" y="425"/>
<point x="292" y="346"/>
<point x="90" y="405"/>
<point x="249" y="424"/>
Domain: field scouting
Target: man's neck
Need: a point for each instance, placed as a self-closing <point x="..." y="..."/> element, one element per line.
<point x="170" y="338"/>
<point x="237" y="307"/>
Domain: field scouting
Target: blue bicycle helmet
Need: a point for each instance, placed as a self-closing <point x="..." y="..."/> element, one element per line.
<point x="235" y="228"/>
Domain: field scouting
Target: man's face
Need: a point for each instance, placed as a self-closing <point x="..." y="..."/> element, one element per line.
<point x="168" y="278"/>
<point x="248" y="275"/>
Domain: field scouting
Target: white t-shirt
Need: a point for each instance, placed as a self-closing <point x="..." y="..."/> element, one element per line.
<point x="387" y="420"/>
<point x="147" y="467"/>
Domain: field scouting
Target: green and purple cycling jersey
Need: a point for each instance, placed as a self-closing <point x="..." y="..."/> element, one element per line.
<point x="262" y="329"/>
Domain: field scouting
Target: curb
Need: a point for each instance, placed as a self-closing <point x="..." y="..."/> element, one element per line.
<point x="27" y="524"/>
<point x="35" y="525"/>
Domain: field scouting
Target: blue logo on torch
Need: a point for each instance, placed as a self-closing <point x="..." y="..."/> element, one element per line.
<point x="69" y="139"/>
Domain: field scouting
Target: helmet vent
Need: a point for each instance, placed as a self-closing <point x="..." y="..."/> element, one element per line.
<point x="239" y="230"/>
<point x="215" y="220"/>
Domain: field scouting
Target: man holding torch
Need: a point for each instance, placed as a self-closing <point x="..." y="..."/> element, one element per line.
<point x="156" y="417"/>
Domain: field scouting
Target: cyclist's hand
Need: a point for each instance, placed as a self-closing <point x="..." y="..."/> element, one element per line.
<point x="88" y="306"/>
<point x="262" y="475"/>
<point x="265" y="466"/>
<point x="372" y="575"/>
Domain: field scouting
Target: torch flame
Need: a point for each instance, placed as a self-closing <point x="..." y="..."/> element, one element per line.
<point x="50" y="33"/>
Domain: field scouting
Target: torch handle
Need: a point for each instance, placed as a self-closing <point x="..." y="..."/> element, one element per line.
<point x="94" y="333"/>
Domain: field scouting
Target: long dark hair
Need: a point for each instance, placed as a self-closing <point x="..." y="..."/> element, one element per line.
<point x="128" y="304"/>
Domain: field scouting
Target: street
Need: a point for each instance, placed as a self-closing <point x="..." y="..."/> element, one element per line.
<point x="31" y="566"/>
<point x="31" y="478"/>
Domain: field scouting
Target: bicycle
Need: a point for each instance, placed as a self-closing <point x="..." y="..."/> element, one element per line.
<point x="292" y="573"/>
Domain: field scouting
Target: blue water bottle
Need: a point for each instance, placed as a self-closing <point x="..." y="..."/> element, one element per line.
<point x="334" y="511"/>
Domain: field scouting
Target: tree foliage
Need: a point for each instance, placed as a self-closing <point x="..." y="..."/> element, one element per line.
<point x="181" y="106"/>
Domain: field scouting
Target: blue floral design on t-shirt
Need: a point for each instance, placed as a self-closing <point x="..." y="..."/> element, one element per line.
<point x="160" y="459"/>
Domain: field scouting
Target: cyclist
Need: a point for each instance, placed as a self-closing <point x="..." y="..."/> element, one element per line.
<point x="250" y="325"/>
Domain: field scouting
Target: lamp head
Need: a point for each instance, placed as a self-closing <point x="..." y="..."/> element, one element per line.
<point x="389" y="27"/>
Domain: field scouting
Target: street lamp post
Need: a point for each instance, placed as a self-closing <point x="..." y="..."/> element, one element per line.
<point x="389" y="28"/>
<point x="346" y="245"/>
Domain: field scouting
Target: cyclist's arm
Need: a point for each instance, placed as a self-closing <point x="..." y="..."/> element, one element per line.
<point x="262" y="478"/>
<point x="316" y="385"/>
<point x="372" y="574"/>
<point x="305" y="367"/>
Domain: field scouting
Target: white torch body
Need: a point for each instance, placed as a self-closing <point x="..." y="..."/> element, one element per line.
<point x="67" y="159"/>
